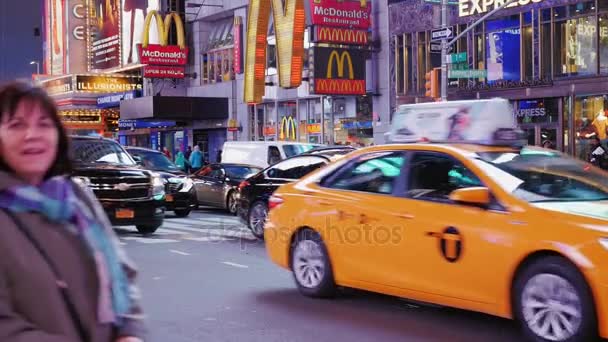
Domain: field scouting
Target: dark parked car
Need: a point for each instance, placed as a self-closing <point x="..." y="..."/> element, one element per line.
<point x="129" y="194"/>
<point x="179" y="188"/>
<point x="217" y="184"/>
<point x="255" y="191"/>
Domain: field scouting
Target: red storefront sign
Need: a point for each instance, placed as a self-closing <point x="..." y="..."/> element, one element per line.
<point x="341" y="35"/>
<point x="238" y="45"/>
<point x="163" y="55"/>
<point x="339" y="86"/>
<point x="160" y="71"/>
<point x="346" y="13"/>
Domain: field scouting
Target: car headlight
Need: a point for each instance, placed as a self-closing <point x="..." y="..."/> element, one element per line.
<point x="83" y="181"/>
<point x="187" y="185"/>
<point x="158" y="187"/>
<point x="604" y="242"/>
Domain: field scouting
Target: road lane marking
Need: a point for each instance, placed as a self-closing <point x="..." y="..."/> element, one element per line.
<point x="148" y="240"/>
<point x="234" y="264"/>
<point x="178" y="252"/>
<point x="208" y="239"/>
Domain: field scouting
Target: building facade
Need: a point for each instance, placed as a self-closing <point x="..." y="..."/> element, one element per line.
<point x="549" y="57"/>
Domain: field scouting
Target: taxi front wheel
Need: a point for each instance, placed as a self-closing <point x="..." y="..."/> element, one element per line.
<point x="552" y="302"/>
<point x="311" y="266"/>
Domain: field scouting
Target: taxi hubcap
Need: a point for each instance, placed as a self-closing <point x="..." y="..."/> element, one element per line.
<point x="308" y="265"/>
<point x="258" y="218"/>
<point x="551" y="307"/>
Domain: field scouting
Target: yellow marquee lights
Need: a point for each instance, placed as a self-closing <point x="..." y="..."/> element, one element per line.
<point x="289" y="24"/>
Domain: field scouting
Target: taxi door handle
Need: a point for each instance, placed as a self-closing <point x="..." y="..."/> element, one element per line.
<point x="404" y="216"/>
<point x="434" y="234"/>
<point x="324" y="202"/>
<point x="363" y="219"/>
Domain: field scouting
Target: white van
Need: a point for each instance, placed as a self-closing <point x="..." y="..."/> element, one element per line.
<point x="262" y="153"/>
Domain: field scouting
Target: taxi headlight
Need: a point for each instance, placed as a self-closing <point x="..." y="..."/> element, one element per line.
<point x="187" y="185"/>
<point x="604" y="242"/>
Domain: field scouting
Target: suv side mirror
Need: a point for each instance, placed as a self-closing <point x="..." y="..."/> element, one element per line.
<point x="478" y="196"/>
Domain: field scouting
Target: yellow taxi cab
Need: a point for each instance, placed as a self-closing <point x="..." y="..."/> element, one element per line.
<point x="520" y="233"/>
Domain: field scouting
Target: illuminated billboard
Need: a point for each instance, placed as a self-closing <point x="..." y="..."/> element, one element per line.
<point x="338" y="71"/>
<point x="134" y="14"/>
<point x="103" y="28"/>
<point x="55" y="45"/>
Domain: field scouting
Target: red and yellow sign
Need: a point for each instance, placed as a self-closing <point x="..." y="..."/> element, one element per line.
<point x="287" y="130"/>
<point x="341" y="35"/>
<point x="163" y="53"/>
<point x="341" y="13"/>
<point x="348" y="78"/>
<point x="289" y="23"/>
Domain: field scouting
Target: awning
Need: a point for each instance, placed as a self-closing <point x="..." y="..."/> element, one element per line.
<point x="174" y="108"/>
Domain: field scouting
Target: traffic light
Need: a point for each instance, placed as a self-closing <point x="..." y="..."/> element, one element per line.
<point x="431" y="85"/>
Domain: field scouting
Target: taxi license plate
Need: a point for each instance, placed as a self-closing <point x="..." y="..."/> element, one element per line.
<point x="125" y="213"/>
<point x="169" y="198"/>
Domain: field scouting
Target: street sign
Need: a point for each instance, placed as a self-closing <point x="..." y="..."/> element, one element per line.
<point x="472" y="73"/>
<point x="442" y="33"/>
<point x="457" y="58"/>
<point x="436" y="47"/>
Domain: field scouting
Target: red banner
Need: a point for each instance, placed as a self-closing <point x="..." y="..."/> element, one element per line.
<point x="346" y="13"/>
<point x="341" y="35"/>
<point x="236" y="50"/>
<point x="159" y="71"/>
<point x="163" y="55"/>
<point x="336" y="86"/>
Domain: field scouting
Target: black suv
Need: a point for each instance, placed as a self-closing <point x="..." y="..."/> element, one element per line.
<point x="180" y="193"/>
<point x="129" y="194"/>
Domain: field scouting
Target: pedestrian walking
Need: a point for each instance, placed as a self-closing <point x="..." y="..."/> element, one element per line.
<point x="598" y="155"/>
<point x="196" y="159"/>
<point x="181" y="161"/>
<point x="63" y="275"/>
<point x="167" y="153"/>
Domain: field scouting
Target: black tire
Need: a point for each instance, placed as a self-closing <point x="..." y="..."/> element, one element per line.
<point x="233" y="210"/>
<point x="146" y="229"/>
<point x="182" y="212"/>
<point x="547" y="271"/>
<point x="259" y="233"/>
<point x="326" y="287"/>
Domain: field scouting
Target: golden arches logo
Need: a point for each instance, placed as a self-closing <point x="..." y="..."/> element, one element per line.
<point x="340" y="58"/>
<point x="289" y="123"/>
<point x="163" y="27"/>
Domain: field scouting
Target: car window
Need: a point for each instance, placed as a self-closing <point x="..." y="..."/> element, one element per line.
<point x="99" y="151"/>
<point x="296" y="168"/>
<point x="296" y="149"/>
<point x="274" y="155"/>
<point x="434" y="176"/>
<point x="241" y="172"/>
<point x="376" y="173"/>
<point x="155" y="160"/>
<point x="217" y="173"/>
<point x="204" y="172"/>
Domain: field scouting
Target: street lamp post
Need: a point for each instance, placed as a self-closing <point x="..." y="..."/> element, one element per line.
<point x="37" y="66"/>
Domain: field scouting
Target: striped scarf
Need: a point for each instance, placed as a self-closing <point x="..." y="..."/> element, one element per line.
<point x="57" y="201"/>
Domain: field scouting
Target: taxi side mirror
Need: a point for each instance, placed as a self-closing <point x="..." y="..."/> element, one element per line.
<point x="478" y="196"/>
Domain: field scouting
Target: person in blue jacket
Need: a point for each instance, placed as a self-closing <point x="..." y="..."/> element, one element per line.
<point x="196" y="159"/>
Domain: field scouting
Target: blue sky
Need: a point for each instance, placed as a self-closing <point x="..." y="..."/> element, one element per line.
<point x="18" y="45"/>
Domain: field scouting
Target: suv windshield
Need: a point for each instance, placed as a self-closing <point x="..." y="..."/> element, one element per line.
<point x="294" y="150"/>
<point x="89" y="151"/>
<point x="155" y="161"/>
<point x="538" y="175"/>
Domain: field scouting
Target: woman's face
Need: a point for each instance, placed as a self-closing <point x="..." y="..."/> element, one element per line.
<point x="28" y="141"/>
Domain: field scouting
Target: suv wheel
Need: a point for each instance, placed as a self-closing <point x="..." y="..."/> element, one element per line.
<point x="311" y="266"/>
<point x="147" y="229"/>
<point x="553" y="302"/>
<point x="182" y="212"/>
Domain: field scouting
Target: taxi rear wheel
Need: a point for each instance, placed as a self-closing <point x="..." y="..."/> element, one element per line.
<point x="311" y="266"/>
<point x="554" y="303"/>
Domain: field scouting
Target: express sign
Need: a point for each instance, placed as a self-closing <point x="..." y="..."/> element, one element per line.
<point x="345" y="13"/>
<point x="472" y="7"/>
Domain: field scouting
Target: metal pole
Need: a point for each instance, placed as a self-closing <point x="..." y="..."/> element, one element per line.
<point x="444" y="52"/>
<point x="38" y="68"/>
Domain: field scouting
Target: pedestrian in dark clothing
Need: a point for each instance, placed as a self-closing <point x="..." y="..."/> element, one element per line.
<point x="598" y="155"/>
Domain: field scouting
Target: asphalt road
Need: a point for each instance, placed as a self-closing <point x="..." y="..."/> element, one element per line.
<point x="205" y="278"/>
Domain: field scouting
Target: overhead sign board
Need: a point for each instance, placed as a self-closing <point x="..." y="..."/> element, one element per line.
<point x="442" y="33"/>
<point x="457" y="58"/>
<point x="113" y="100"/>
<point x="354" y="14"/>
<point x="133" y="124"/>
<point x="338" y="71"/>
<point x="164" y="71"/>
<point x="58" y="85"/>
<point x="108" y="83"/>
<point x="337" y="35"/>
<point x="472" y="7"/>
<point x="472" y="73"/>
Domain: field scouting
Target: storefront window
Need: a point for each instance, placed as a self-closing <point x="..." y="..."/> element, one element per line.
<point x="545" y="50"/>
<point x="537" y="111"/>
<point x="422" y="60"/>
<point x="603" y="27"/>
<point x="575" y="41"/>
<point x="288" y="121"/>
<point x="479" y="48"/>
<point x="327" y="117"/>
<point x="503" y="37"/>
<point x="566" y="125"/>
<point x="528" y="50"/>
<point x="315" y="121"/>
<point x="589" y="120"/>
<point x="270" y="122"/>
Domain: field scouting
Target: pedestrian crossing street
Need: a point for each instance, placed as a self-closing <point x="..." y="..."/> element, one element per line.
<point x="203" y="228"/>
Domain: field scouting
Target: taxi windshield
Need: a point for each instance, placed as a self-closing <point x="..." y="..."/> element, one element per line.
<point x="539" y="175"/>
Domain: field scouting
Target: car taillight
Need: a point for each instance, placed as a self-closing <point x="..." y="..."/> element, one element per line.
<point x="275" y="201"/>
<point x="243" y="184"/>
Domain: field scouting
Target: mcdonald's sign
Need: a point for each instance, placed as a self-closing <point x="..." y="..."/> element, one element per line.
<point x="338" y="71"/>
<point x="163" y="53"/>
<point x="289" y="25"/>
<point x="338" y="35"/>
<point x="354" y="14"/>
<point x="287" y="130"/>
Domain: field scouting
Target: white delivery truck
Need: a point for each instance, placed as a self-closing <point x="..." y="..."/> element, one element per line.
<point x="262" y="153"/>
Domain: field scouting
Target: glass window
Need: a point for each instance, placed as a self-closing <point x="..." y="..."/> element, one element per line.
<point x="288" y="123"/>
<point x="240" y="172"/>
<point x="423" y="67"/>
<point x="435" y="176"/>
<point x="87" y="151"/>
<point x="589" y="121"/>
<point x="217" y="173"/>
<point x="603" y="27"/>
<point x="274" y="155"/>
<point x="270" y="121"/>
<point x="296" y="168"/>
<point x="575" y="47"/>
<point x="537" y="176"/>
<point x="374" y="173"/>
<point x="503" y="36"/>
<point x="155" y="161"/>
<point x="399" y="65"/>
<point x="528" y="54"/>
<point x="204" y="172"/>
<point x="537" y="111"/>
<point x="294" y="150"/>
<point x="545" y="51"/>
